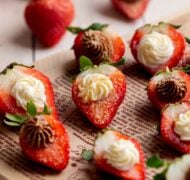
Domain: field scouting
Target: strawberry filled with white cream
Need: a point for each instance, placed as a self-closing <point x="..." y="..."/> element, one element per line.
<point x="157" y="46"/>
<point x="120" y="155"/>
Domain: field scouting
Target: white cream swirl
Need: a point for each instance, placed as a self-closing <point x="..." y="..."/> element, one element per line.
<point x="28" y="89"/>
<point x="122" y="155"/>
<point x="94" y="87"/>
<point x="154" y="49"/>
<point x="182" y="126"/>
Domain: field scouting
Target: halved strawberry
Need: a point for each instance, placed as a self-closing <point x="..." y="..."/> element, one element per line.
<point x="8" y="79"/>
<point x="99" y="43"/>
<point x="48" y="19"/>
<point x="120" y="155"/>
<point x="98" y="92"/>
<point x="132" y="9"/>
<point x="155" y="47"/>
<point x="174" y="127"/>
<point x="44" y="140"/>
<point x="168" y="87"/>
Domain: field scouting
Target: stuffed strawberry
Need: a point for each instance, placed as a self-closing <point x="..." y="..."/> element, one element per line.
<point x="169" y="87"/>
<point x="174" y="127"/>
<point x="98" y="91"/>
<point x="119" y="155"/>
<point x="47" y="19"/>
<point x="132" y="9"/>
<point x="43" y="138"/>
<point x="99" y="43"/>
<point x="156" y="46"/>
<point x="20" y="84"/>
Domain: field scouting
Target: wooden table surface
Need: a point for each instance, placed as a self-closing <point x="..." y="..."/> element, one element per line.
<point x="17" y="43"/>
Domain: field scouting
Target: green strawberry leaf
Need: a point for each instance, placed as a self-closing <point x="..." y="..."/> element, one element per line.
<point x="120" y="62"/>
<point x="97" y="26"/>
<point x="31" y="109"/>
<point x="47" y="110"/>
<point x="87" y="154"/>
<point x="74" y="29"/>
<point x="155" y="162"/>
<point x="175" y="26"/>
<point x="10" y="123"/>
<point x="14" y="119"/>
<point x="85" y="63"/>
<point x="187" y="40"/>
<point x="160" y="176"/>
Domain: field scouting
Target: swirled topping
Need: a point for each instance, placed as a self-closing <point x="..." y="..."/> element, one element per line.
<point x="97" y="46"/>
<point x="154" y="49"/>
<point x="28" y="89"/>
<point x="122" y="154"/>
<point x="171" y="89"/>
<point x="37" y="132"/>
<point x="182" y="126"/>
<point x="94" y="87"/>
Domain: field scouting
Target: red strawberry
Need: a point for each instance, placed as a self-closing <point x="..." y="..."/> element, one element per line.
<point x="99" y="43"/>
<point x="155" y="47"/>
<point x="47" y="19"/>
<point x="110" y="152"/>
<point x="11" y="75"/>
<point x="98" y="92"/>
<point x="132" y="9"/>
<point x="44" y="140"/>
<point x="169" y="87"/>
<point x="174" y="126"/>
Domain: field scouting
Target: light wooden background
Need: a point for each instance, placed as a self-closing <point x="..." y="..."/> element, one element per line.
<point x="17" y="43"/>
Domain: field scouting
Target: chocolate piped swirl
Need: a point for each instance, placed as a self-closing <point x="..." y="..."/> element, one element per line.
<point x="37" y="132"/>
<point x="97" y="46"/>
<point x="171" y="89"/>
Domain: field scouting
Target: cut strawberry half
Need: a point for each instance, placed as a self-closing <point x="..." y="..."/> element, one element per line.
<point x="110" y="152"/>
<point x="48" y="19"/>
<point x="99" y="43"/>
<point x="174" y="126"/>
<point x="169" y="87"/>
<point x="12" y="74"/>
<point x="45" y="141"/>
<point x="98" y="92"/>
<point x="155" y="47"/>
<point x="132" y="9"/>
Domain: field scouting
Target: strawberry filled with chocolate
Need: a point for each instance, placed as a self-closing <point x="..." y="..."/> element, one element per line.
<point x="168" y="86"/>
<point x="98" y="92"/>
<point x="120" y="155"/>
<point x="155" y="47"/>
<point x="99" y="43"/>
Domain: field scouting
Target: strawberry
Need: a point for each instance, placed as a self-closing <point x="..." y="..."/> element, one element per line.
<point x="158" y="46"/>
<point x="98" y="91"/>
<point x="14" y="94"/>
<point x="99" y="43"/>
<point x="47" y="19"/>
<point x="169" y="87"/>
<point x="174" y="127"/>
<point x="112" y="152"/>
<point x="132" y="9"/>
<point x="42" y="137"/>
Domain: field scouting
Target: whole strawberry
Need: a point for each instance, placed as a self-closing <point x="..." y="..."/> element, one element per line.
<point x="47" y="19"/>
<point x="99" y="43"/>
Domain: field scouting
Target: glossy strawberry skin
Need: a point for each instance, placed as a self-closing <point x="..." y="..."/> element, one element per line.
<point x="136" y="173"/>
<point x="56" y="154"/>
<point x="155" y="100"/>
<point x="176" y="37"/>
<point x="118" y="48"/>
<point x="167" y="129"/>
<point x="8" y="103"/>
<point x="100" y="113"/>
<point x="48" y="19"/>
<point x="131" y="10"/>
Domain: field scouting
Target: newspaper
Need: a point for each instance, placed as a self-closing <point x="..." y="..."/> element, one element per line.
<point x="135" y="117"/>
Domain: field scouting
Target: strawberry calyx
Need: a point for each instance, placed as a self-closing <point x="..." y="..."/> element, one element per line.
<point x="17" y="120"/>
<point x="94" y="26"/>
